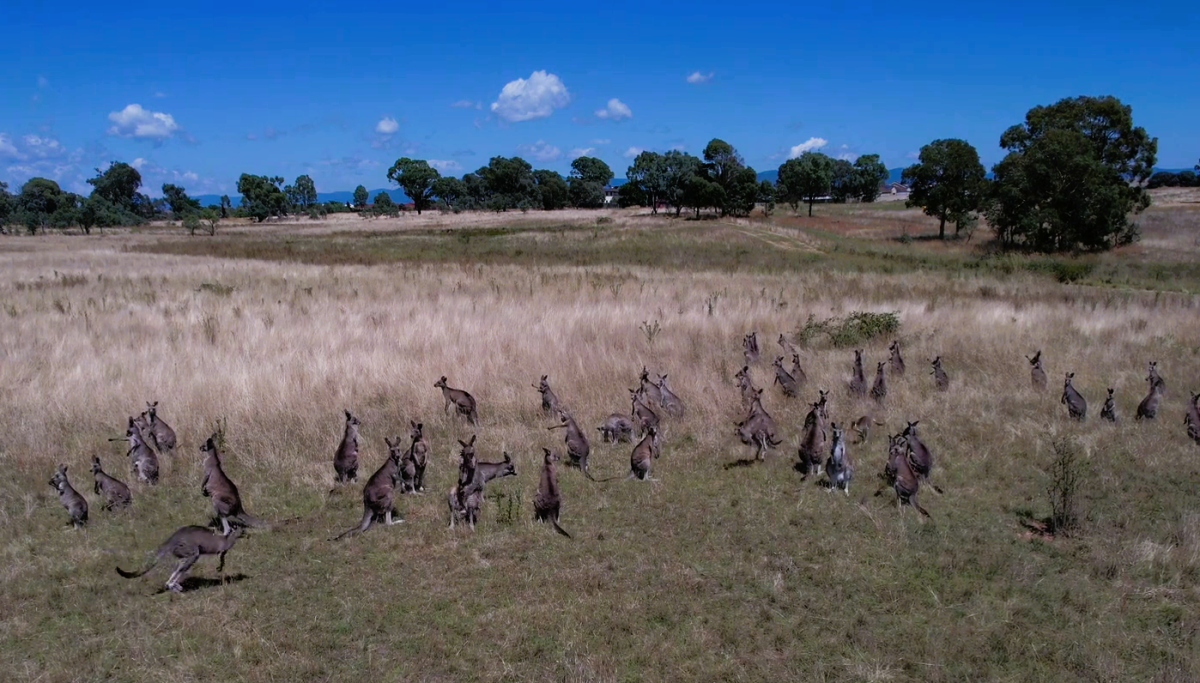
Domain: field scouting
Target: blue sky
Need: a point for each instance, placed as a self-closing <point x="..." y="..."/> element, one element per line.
<point x="340" y="91"/>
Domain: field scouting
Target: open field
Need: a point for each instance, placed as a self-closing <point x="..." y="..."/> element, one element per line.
<point x="709" y="573"/>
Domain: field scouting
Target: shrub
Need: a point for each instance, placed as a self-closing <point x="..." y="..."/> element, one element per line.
<point x="1063" y="490"/>
<point x="857" y="328"/>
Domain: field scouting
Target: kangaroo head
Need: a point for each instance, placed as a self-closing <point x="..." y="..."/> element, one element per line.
<point x="507" y="468"/>
<point x="1067" y="379"/>
<point x="468" y="447"/>
<point x="1110" y="392"/>
<point x="351" y="420"/>
<point x="59" y="478"/>
<point x="416" y="434"/>
<point x="858" y="356"/>
<point x="95" y="464"/>
<point x="911" y="429"/>
<point x="1036" y="361"/>
<point x="879" y="367"/>
<point x="549" y="456"/>
<point x="894" y="346"/>
<point x="779" y="362"/>
<point x="441" y="382"/>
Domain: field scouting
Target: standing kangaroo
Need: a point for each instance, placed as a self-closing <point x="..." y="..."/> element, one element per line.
<point x="1156" y="379"/>
<point x="797" y="371"/>
<point x="75" y="504"/>
<point x="858" y="381"/>
<point x="464" y="403"/>
<point x="643" y="455"/>
<point x="466" y="501"/>
<point x="345" y="458"/>
<point x="142" y="458"/>
<point x="758" y="429"/>
<point x="838" y="467"/>
<point x="919" y="454"/>
<point x="1073" y="400"/>
<point x="160" y="431"/>
<point x="415" y="460"/>
<point x="1192" y="418"/>
<point x="750" y="348"/>
<point x="547" y="501"/>
<point x="940" y="379"/>
<point x="380" y="492"/>
<point x="217" y="486"/>
<point x="746" y="386"/>
<point x="1037" y="373"/>
<point x="879" y="389"/>
<point x="1148" y="408"/>
<point x="669" y="401"/>
<point x="643" y="415"/>
<point x="616" y="428"/>
<point x="116" y="494"/>
<point x="784" y="379"/>
<point x="1109" y="411"/>
<point x="900" y="476"/>
<point x="577" y="443"/>
<point x="188" y="544"/>
<point x="550" y="402"/>
<point x="896" y="361"/>
<point x="652" y="394"/>
<point x="788" y="348"/>
<point x="812" y="442"/>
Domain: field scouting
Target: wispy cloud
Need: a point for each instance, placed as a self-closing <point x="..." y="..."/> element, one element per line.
<point x="577" y="152"/>
<point x="615" y="110"/>
<point x="633" y="152"/>
<point x="601" y="141"/>
<point x="445" y="165"/>
<point x="697" y="78"/>
<point x="533" y="98"/>
<point x="467" y="104"/>
<point x="808" y="145"/>
<point x="541" y="151"/>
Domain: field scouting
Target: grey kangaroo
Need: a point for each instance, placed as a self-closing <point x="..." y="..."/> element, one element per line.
<point x="896" y="361"/>
<point x="464" y="403"/>
<point x="160" y="431"/>
<point x="412" y="466"/>
<point x="1109" y="410"/>
<point x="577" y="443"/>
<point x="345" y="458"/>
<point x="380" y="492"/>
<point x="940" y="379"/>
<point x="1037" y="373"/>
<point x="218" y="487"/>
<point x="616" y="428"/>
<point x="188" y="544"/>
<point x="547" y="502"/>
<point x="1073" y="400"/>
<point x="114" y="491"/>
<point x="550" y="402"/>
<point x="838" y="467"/>
<point x="879" y="389"/>
<point x="1148" y="408"/>
<point x="75" y="504"/>
<point x="142" y="458"/>
<point x="858" y="381"/>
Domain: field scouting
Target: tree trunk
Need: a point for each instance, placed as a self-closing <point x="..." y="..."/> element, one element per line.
<point x="942" y="228"/>
<point x="810" y="203"/>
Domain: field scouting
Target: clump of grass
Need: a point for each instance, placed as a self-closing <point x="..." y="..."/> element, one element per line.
<point x="651" y="330"/>
<point x="857" y="328"/>
<point x="1067" y="272"/>
<point x="1063" y="489"/>
<point x="216" y="288"/>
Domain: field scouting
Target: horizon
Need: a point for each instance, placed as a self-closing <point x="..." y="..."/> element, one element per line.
<point x="341" y="96"/>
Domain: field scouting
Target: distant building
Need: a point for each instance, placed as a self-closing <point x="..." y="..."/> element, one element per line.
<point x="894" y="188"/>
<point x="610" y="194"/>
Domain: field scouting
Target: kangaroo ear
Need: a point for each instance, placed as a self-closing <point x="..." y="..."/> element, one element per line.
<point x="462" y="443"/>
<point x="507" y="457"/>
<point x="472" y="442"/>
<point x="348" y="416"/>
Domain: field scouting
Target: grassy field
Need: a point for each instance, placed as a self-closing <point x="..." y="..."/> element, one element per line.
<point x="710" y="573"/>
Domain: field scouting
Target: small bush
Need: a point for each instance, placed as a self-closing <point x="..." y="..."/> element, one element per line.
<point x="1063" y="490"/>
<point x="1067" y="272"/>
<point x="604" y="220"/>
<point x="857" y="328"/>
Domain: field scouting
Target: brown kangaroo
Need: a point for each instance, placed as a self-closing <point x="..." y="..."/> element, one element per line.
<point x="577" y="443"/>
<point x="345" y="458"/>
<point x="160" y="431"/>
<point x="550" y="402"/>
<point x="1073" y="400"/>
<point x="1148" y="408"/>
<point x="746" y="386"/>
<point x="1037" y="373"/>
<point x="218" y="487"/>
<point x="758" y="429"/>
<point x="116" y="494"/>
<point x="464" y="403"/>
<point x="879" y="389"/>
<point x="643" y="455"/>
<point x="787" y="383"/>
<point x="616" y="428"/>
<point x="896" y="361"/>
<point x="643" y="415"/>
<point x="858" y="381"/>
<point x="188" y="544"/>
<point x="75" y="504"/>
<point x="900" y="476"/>
<point x="919" y="454"/>
<point x="547" y="502"/>
<point x="466" y="501"/>
<point x="940" y="379"/>
<point x="380" y="492"/>
<point x="652" y="395"/>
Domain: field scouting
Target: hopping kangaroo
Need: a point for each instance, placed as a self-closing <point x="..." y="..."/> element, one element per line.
<point x="547" y="502"/>
<point x="75" y="504"/>
<point x="879" y="388"/>
<point x="838" y="467"/>
<point x="919" y="455"/>
<point x="160" y="431"/>
<point x="616" y="427"/>
<point x="142" y="458"/>
<point x="345" y="458"/>
<point x="550" y="402"/>
<point x="464" y="403"/>
<point x="412" y="466"/>
<point x="218" y="487"/>
<point x="750" y="348"/>
<point x="1109" y="411"/>
<point x="116" y="494"/>
<point x="900" y="476"/>
<point x="1073" y="400"/>
<point x="380" y="492"/>
<point x="858" y="381"/>
<point x="1037" y="373"/>
<point x="784" y="379"/>
<point x="1148" y="408"/>
<point x="187" y="544"/>
<point x="940" y="379"/>
<point x="577" y="443"/>
<point x="896" y="361"/>
<point x="1192" y="418"/>
<point x="669" y="401"/>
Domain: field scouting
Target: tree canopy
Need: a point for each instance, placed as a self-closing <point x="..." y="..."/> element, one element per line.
<point x="805" y="179"/>
<point x="450" y="190"/>
<point x="647" y="178"/>
<point x="118" y="184"/>
<point x="870" y="172"/>
<point x="178" y="200"/>
<point x="262" y="196"/>
<point x="591" y="170"/>
<point x="1073" y="174"/>
<point x="303" y="193"/>
<point x="552" y="188"/>
<point x="948" y="182"/>
<point x="361" y="196"/>
<point x="416" y="177"/>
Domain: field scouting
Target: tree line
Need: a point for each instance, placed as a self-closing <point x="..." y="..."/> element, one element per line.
<point x="1074" y="173"/>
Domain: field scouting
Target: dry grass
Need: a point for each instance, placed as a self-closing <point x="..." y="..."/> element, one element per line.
<point x="709" y="573"/>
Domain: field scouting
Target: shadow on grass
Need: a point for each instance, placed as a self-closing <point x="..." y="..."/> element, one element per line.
<point x="195" y="583"/>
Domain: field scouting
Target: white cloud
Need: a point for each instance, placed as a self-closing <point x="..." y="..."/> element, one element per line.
<point x="135" y="122"/>
<point x="580" y="152"/>
<point x="535" y="98"/>
<point x="31" y="147"/>
<point x="138" y="163"/>
<point x="159" y="94"/>
<point x="807" y="146"/>
<point x="616" y="110"/>
<point x="697" y="78"/>
<point x="601" y="141"/>
<point x="387" y="126"/>
<point x="8" y="150"/>
<point x="445" y="165"/>
<point x="633" y="152"/>
<point x="467" y="104"/>
<point x="540" y="151"/>
<point x="915" y="156"/>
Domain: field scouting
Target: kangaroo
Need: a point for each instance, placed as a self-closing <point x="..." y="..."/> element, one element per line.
<point x="750" y="348"/>
<point x="643" y="415"/>
<point x="144" y="462"/>
<point x="940" y="379"/>
<point x="577" y="443"/>
<point x="1148" y="408"/>
<point x="467" y="499"/>
<point x="838" y="467"/>
<point x="858" y="381"/>
<point x="345" y="458"/>
<point x="550" y="402"/>
<point x="643" y="455"/>
<point x="547" y="502"/>
<point x="812" y="443"/>
<point x="652" y="394"/>
<point x="217" y="486"/>
<point x="1073" y="400"/>
<point x="746" y="386"/>
<point x="788" y="348"/>
<point x="919" y="454"/>
<point x="1192" y="418"/>
<point x="797" y="371"/>
<point x="160" y="431"/>
<point x="380" y="492"/>
<point x="188" y="544"/>
<point x="616" y="428"/>
<point x="1037" y="373"/>
<point x="1109" y="411"/>
<point x="116" y="494"/>
<point x="669" y="401"/>
<point x="785" y="380"/>
<point x="75" y="504"/>
<point x="1156" y="379"/>
<point x="879" y="389"/>
<point x="758" y="429"/>
<point x="414" y="461"/>
<point x="896" y="361"/>
<point x="900" y="476"/>
<point x="464" y="403"/>
<point x="862" y="427"/>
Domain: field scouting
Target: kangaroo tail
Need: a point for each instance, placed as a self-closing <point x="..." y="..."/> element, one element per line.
<point x="141" y="572"/>
<point x="920" y="509"/>
<point x="250" y="520"/>
<point x="368" y="517"/>
<point x="559" y="529"/>
<point x="587" y="473"/>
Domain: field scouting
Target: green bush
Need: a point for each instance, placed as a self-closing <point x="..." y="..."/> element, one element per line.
<point x="855" y="329"/>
